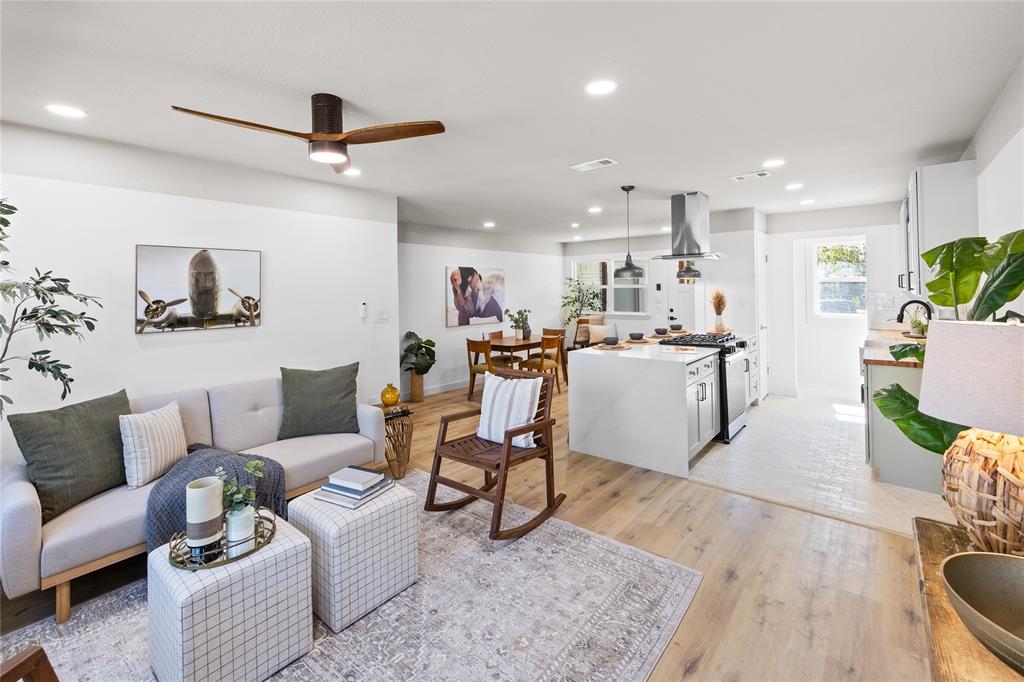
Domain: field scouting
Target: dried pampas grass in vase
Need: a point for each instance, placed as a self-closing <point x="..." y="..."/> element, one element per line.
<point x="718" y="304"/>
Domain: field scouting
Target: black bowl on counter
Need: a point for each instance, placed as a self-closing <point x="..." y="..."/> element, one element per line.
<point x="610" y="340"/>
<point x="661" y="331"/>
<point x="675" y="327"/>
<point x="636" y="336"/>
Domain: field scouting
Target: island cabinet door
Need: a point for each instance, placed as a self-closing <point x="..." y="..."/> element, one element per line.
<point x="708" y="410"/>
<point x="693" y="393"/>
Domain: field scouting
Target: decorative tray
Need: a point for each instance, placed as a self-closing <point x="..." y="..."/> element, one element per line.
<point x="641" y="342"/>
<point x="659" y="336"/>
<point x="678" y="332"/>
<point x="180" y="554"/>
<point x="618" y="346"/>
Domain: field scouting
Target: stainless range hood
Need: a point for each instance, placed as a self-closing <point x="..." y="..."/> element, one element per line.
<point x="691" y="228"/>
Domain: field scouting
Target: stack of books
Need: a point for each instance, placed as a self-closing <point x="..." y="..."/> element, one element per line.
<point x="352" y="487"/>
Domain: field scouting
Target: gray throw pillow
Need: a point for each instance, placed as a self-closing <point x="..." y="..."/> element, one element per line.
<point x="321" y="401"/>
<point x="73" y="452"/>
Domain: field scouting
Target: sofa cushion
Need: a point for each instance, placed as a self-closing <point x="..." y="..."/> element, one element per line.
<point x="246" y="414"/>
<point x="153" y="441"/>
<point x="109" y="522"/>
<point x="311" y="458"/>
<point x="194" y="407"/>
<point x="72" y="452"/>
<point x="318" y="401"/>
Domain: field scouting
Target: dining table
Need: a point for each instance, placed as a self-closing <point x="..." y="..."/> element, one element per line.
<point x="512" y="345"/>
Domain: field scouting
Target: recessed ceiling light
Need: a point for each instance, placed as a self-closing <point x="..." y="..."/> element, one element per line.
<point x="352" y="171"/>
<point x="773" y="163"/>
<point x="577" y="238"/>
<point x="601" y="87"/>
<point x="66" y="110"/>
<point x="489" y="223"/>
<point x="666" y="228"/>
<point x="807" y="202"/>
<point x="594" y="209"/>
<point x="794" y="186"/>
<point x="574" y="225"/>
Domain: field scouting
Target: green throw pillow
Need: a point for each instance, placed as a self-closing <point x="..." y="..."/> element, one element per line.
<point x="74" y="452"/>
<point x="319" y="401"/>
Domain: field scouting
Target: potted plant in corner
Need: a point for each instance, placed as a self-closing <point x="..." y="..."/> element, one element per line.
<point x="520" y="321"/>
<point x="240" y="510"/>
<point x="418" y="356"/>
<point x="577" y="299"/>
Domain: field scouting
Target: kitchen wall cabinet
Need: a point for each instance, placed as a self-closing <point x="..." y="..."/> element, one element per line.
<point x="941" y="205"/>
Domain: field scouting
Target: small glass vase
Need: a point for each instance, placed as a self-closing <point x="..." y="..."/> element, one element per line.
<point x="527" y="333"/>
<point x="719" y="323"/>
<point x="241" y="525"/>
<point x="389" y="396"/>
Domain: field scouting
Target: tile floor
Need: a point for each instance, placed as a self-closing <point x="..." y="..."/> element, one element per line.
<point x="808" y="453"/>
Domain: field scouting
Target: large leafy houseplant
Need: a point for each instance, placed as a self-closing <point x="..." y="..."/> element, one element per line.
<point x="418" y="356"/>
<point x="37" y="306"/>
<point x="971" y="273"/>
<point x="578" y="298"/>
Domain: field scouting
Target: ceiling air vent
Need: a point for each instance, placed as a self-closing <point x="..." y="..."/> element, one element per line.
<point x="588" y="166"/>
<point x="751" y="176"/>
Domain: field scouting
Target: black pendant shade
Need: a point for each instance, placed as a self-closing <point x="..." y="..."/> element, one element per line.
<point x="630" y="270"/>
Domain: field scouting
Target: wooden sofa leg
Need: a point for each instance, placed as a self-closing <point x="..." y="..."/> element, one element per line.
<point x="63" y="601"/>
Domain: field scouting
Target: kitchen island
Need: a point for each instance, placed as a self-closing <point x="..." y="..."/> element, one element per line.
<point x="651" y="406"/>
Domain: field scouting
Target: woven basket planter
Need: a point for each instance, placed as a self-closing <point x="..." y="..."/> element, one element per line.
<point x="983" y="472"/>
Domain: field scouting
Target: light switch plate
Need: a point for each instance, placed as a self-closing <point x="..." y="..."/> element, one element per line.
<point x="380" y="315"/>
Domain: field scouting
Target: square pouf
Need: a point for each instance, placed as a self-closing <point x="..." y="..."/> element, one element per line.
<point x="361" y="557"/>
<point x="242" y="621"/>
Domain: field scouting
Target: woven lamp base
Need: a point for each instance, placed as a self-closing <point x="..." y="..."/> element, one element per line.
<point x="983" y="473"/>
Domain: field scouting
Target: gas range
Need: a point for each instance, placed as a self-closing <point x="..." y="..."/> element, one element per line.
<point x="725" y="341"/>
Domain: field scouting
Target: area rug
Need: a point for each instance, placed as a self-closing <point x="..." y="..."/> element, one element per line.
<point x="561" y="603"/>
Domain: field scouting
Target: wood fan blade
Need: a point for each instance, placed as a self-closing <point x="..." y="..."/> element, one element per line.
<point x="244" y="124"/>
<point x="385" y="132"/>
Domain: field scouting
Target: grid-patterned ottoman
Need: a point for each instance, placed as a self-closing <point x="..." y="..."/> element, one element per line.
<point x="242" y="621"/>
<point x="361" y="557"/>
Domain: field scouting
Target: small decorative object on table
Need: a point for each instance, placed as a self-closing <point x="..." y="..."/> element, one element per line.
<point x="389" y="396"/>
<point x="520" y="321"/>
<point x="204" y="509"/>
<point x="718" y="304"/>
<point x="397" y="438"/>
<point x="180" y="555"/>
<point x="418" y="357"/>
<point x="241" y="515"/>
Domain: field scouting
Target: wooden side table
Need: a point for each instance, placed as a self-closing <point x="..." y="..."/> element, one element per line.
<point x="397" y="437"/>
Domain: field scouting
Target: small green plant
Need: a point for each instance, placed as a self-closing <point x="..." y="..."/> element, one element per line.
<point x="579" y="298"/>
<point x="36" y="308"/>
<point x="418" y="354"/>
<point x="519" y="319"/>
<point x="238" y="497"/>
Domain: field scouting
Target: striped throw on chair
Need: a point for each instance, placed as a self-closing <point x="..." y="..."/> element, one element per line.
<point x="506" y="404"/>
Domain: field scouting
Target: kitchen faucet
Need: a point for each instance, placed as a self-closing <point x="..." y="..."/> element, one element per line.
<point x="924" y="304"/>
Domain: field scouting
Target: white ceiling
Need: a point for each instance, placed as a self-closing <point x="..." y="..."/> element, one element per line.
<point x="852" y="95"/>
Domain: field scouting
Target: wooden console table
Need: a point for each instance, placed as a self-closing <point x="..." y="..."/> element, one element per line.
<point x="956" y="654"/>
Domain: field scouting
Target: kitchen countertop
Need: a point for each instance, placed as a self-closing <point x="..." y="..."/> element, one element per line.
<point x="879" y="355"/>
<point x="650" y="352"/>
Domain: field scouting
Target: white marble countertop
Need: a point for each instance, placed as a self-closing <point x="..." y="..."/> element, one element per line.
<point x="650" y="352"/>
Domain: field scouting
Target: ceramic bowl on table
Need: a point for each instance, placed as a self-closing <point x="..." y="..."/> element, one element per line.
<point x="610" y="340"/>
<point x="986" y="591"/>
<point x="636" y="336"/>
<point x="675" y="327"/>
<point x="661" y="331"/>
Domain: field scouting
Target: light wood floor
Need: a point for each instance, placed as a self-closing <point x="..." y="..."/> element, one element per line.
<point x="787" y="594"/>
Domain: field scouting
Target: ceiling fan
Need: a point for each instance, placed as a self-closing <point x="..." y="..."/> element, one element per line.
<point x="327" y="143"/>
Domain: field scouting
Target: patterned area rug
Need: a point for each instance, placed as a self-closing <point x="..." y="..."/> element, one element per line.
<point x="560" y="603"/>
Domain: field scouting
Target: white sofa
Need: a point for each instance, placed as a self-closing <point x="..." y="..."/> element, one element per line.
<point x="110" y="527"/>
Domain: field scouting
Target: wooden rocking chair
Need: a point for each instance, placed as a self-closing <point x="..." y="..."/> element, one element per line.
<point x="496" y="459"/>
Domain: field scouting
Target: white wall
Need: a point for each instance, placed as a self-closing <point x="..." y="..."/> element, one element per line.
<point x="317" y="269"/>
<point x="533" y="281"/>
<point x="815" y="355"/>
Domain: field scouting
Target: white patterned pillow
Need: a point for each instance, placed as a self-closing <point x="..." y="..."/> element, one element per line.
<point x="506" y="404"/>
<point x="153" y="441"/>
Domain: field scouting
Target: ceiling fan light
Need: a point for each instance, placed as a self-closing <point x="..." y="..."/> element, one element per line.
<point x="326" y="151"/>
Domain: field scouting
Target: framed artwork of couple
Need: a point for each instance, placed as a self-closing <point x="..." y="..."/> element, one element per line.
<point x="473" y="295"/>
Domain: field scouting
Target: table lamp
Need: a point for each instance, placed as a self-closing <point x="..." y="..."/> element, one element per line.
<point x="974" y="375"/>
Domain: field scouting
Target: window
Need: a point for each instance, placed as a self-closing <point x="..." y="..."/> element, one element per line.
<point x="618" y="296"/>
<point x="838" y="277"/>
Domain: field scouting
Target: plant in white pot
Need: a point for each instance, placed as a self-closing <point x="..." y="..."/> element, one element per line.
<point x="239" y="503"/>
<point x="418" y="356"/>
<point x="520" y="321"/>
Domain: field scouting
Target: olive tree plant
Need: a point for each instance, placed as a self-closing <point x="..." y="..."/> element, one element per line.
<point x="37" y="305"/>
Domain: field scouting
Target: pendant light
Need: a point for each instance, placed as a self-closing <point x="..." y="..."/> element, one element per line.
<point x="687" y="271"/>
<point x="629" y="270"/>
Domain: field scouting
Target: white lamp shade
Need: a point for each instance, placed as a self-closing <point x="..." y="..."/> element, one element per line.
<point x="974" y="375"/>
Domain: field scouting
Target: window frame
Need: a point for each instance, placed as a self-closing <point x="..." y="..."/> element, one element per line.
<point x="607" y="291"/>
<point x="814" y="280"/>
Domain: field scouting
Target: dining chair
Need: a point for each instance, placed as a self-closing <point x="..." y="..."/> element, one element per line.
<point x="495" y="459"/>
<point x="509" y="360"/>
<point x="475" y="350"/>
<point x="558" y="355"/>
<point x="542" y="363"/>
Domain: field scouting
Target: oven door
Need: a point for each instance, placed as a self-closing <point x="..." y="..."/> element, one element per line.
<point x="737" y="392"/>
